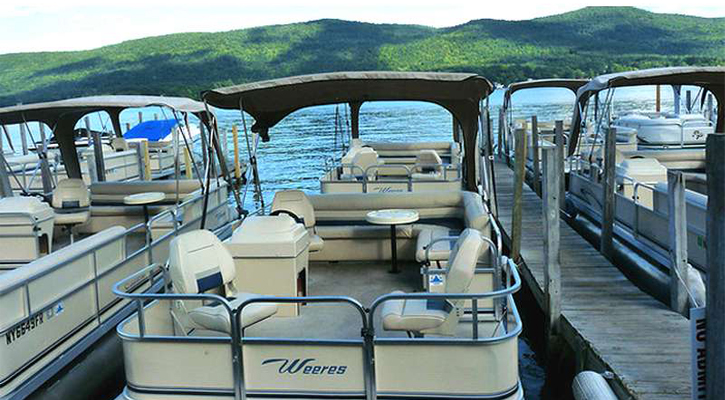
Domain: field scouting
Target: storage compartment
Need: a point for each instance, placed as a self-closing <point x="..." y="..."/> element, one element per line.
<point x="271" y="257"/>
<point x="644" y="170"/>
<point x="27" y="229"/>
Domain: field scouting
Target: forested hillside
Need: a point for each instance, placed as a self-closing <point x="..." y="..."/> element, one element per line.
<point x="581" y="43"/>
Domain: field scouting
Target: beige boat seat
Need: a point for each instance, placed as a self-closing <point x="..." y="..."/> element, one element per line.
<point x="365" y="157"/>
<point x="296" y="204"/>
<point x="119" y="144"/>
<point x="71" y="202"/>
<point x="428" y="165"/>
<point x="199" y="263"/>
<point x="440" y="251"/>
<point x="433" y="316"/>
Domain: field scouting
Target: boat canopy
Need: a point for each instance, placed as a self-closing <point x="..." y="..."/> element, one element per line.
<point x="711" y="79"/>
<point x="571" y="84"/>
<point x="271" y="101"/>
<point x="153" y="131"/>
<point x="63" y="115"/>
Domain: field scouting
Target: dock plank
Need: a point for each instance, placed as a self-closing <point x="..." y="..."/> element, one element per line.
<point x="604" y="315"/>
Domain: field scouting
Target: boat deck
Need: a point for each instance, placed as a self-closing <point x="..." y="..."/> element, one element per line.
<point x="610" y="323"/>
<point x="364" y="282"/>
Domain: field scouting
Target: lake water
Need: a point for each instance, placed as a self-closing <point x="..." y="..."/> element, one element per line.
<point x="295" y="156"/>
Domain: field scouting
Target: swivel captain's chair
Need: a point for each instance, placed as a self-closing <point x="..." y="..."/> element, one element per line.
<point x="71" y="203"/>
<point x="428" y="165"/>
<point x="421" y="316"/>
<point x="199" y="263"/>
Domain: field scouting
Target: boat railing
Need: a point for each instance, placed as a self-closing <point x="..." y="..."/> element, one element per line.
<point x="21" y="168"/>
<point x="367" y="341"/>
<point x="364" y="177"/>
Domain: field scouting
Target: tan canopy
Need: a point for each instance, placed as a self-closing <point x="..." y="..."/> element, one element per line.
<point x="63" y="115"/>
<point x="571" y="84"/>
<point x="271" y="101"/>
<point x="711" y="79"/>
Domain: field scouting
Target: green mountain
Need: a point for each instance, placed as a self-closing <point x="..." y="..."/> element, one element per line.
<point x="581" y="43"/>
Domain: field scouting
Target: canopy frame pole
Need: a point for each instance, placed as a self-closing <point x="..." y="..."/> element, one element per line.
<point x="355" y="119"/>
<point x="7" y="136"/>
<point x="252" y="154"/>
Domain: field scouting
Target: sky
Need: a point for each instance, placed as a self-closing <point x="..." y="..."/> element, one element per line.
<point x="58" y="25"/>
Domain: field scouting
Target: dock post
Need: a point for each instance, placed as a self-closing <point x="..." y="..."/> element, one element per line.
<point x="688" y="101"/>
<point x="128" y="126"/>
<point x="24" y="139"/>
<point x="536" y="156"/>
<point x="550" y="209"/>
<point x="188" y="168"/>
<point x="519" y="177"/>
<point x="678" y="241"/>
<point x="606" y="246"/>
<point x="140" y="161"/>
<point x="501" y="119"/>
<point x="97" y="153"/>
<point x="561" y="159"/>
<point x="237" y="166"/>
<point x="140" y="117"/>
<point x="715" y="313"/>
<point x="6" y="189"/>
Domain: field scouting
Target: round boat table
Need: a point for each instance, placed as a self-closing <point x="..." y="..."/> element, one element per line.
<point x="392" y="217"/>
<point x="144" y="199"/>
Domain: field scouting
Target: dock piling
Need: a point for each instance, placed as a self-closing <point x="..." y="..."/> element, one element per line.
<point x="535" y="157"/>
<point x="715" y="313"/>
<point x="559" y="141"/>
<point x="100" y="167"/>
<point x="550" y="209"/>
<point x="519" y="177"/>
<point x="678" y="241"/>
<point x="606" y="246"/>
<point x="501" y="122"/>
<point x="237" y="166"/>
<point x="24" y="139"/>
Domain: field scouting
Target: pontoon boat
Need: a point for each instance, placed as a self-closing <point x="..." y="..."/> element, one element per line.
<point x="301" y="302"/>
<point x="61" y="254"/>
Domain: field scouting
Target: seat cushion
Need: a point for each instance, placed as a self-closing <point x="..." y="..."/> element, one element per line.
<point x="423" y="176"/>
<point x="216" y="318"/>
<point x="316" y="242"/>
<point x="441" y="250"/>
<point x="414" y="315"/>
<point x="71" y="218"/>
<point x="381" y="232"/>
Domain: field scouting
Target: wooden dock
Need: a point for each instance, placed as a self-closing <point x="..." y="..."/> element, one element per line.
<point x="610" y="323"/>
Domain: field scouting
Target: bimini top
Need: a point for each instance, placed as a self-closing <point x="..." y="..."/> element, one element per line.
<point x="571" y="84"/>
<point x="63" y="115"/>
<point x="52" y="111"/>
<point x="270" y="101"/>
<point x="711" y="79"/>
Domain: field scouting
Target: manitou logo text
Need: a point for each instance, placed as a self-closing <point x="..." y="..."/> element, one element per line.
<point x="305" y="366"/>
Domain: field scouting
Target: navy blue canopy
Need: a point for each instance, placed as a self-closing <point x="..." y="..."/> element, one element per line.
<point x="153" y="131"/>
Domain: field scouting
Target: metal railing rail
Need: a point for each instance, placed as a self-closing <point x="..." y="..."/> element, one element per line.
<point x="408" y="180"/>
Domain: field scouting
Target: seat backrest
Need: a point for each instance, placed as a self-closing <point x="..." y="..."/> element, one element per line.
<point x="428" y="161"/>
<point x="297" y="203"/>
<point x="119" y="144"/>
<point x="462" y="262"/>
<point x="199" y="262"/>
<point x="71" y="193"/>
<point x="364" y="158"/>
